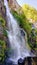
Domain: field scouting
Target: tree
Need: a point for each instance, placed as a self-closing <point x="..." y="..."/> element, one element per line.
<point x="30" y="12"/>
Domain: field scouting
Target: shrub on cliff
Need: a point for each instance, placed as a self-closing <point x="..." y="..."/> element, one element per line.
<point x="30" y="12"/>
<point x="2" y="21"/>
<point x="2" y="50"/>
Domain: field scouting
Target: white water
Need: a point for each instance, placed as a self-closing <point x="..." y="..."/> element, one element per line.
<point x="17" y="42"/>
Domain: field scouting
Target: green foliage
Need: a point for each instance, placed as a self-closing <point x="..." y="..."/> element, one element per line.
<point x="30" y="12"/>
<point x="5" y="32"/>
<point x="2" y="50"/>
<point x="33" y="39"/>
<point x="2" y="21"/>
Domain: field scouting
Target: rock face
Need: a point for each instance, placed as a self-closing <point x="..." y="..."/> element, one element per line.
<point x="13" y="4"/>
<point x="2" y="15"/>
<point x="31" y="61"/>
<point x="2" y="9"/>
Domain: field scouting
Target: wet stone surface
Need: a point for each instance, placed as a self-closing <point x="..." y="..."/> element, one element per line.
<point x="20" y="62"/>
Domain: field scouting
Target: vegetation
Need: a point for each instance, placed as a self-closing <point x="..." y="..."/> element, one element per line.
<point x="2" y="40"/>
<point x="30" y="12"/>
<point x="5" y="32"/>
<point x="33" y="39"/>
<point x="2" y="50"/>
<point x="2" y="21"/>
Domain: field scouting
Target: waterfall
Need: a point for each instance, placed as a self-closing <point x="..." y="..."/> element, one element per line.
<point x="18" y="44"/>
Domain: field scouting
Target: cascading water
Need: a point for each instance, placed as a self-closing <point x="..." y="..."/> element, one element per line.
<point x="17" y="42"/>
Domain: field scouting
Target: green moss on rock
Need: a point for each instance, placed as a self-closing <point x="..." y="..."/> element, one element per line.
<point x="2" y="50"/>
<point x="2" y="21"/>
<point x="5" y="32"/>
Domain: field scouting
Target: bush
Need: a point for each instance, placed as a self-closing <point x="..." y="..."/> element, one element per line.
<point x="2" y="50"/>
<point x="2" y="21"/>
<point x="5" y="32"/>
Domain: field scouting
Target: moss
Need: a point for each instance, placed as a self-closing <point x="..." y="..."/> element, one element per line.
<point x="2" y="21"/>
<point x="5" y="32"/>
<point x="32" y="40"/>
<point x="30" y="12"/>
<point x="2" y="50"/>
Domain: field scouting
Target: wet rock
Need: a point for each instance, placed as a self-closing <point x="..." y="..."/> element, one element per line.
<point x="34" y="59"/>
<point x="30" y="61"/>
<point x="22" y="32"/>
<point x="20" y="62"/>
<point x="9" y="62"/>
